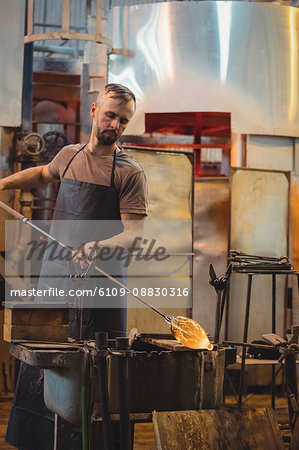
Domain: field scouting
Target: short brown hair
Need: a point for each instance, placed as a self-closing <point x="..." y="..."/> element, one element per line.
<point x="117" y="91"/>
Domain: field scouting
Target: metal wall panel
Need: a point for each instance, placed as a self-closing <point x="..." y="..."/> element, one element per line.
<point x="295" y="246"/>
<point x="236" y="57"/>
<point x="211" y="217"/>
<point x="269" y="152"/>
<point x="259" y="225"/>
<point x="170" y="177"/>
<point x="296" y="156"/>
<point x="11" y="55"/>
<point x="295" y="221"/>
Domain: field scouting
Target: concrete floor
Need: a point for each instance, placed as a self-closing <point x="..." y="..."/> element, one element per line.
<point x="144" y="438"/>
<point x="144" y="432"/>
<point x="5" y="406"/>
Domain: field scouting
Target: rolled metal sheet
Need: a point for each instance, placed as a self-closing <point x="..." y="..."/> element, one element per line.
<point x="233" y="57"/>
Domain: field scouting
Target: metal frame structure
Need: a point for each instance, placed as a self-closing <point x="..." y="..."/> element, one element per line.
<point x="65" y="32"/>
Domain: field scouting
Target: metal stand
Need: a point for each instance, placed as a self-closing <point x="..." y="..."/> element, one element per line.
<point x="101" y="339"/>
<point x="62" y="432"/>
<point x="291" y="376"/>
<point x="246" y="322"/>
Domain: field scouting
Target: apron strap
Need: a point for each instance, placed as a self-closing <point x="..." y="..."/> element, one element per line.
<point x="112" y="184"/>
<point x="71" y="160"/>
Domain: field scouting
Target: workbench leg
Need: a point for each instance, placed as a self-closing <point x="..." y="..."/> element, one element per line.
<point x="245" y="336"/>
<point x="62" y="434"/>
<point x="273" y="331"/>
<point x="101" y="339"/>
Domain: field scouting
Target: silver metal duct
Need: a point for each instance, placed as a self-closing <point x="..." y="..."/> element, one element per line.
<point x="210" y="56"/>
<point x="11" y="55"/>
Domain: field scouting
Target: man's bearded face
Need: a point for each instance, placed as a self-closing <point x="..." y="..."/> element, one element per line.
<point x="111" y="119"/>
<point x="107" y="137"/>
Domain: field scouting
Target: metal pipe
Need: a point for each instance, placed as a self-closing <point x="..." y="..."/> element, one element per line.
<point x="245" y="335"/>
<point x="247" y="344"/>
<point x="101" y="340"/>
<point x="52" y="25"/>
<point x="122" y="343"/>
<point x="27" y="95"/>
<point x="28" y="222"/>
<point x="54" y="49"/>
<point x="136" y="296"/>
<point x="85" y="396"/>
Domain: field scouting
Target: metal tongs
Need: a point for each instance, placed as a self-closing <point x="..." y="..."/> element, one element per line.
<point x="243" y="260"/>
<point x="220" y="284"/>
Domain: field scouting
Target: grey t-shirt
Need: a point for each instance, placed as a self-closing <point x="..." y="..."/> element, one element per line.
<point x="129" y="177"/>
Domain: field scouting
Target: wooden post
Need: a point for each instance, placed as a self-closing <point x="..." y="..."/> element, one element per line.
<point x="66" y="16"/>
<point x="30" y="17"/>
<point x="99" y="18"/>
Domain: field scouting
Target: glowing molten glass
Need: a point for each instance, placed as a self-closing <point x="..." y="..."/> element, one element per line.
<point x="189" y="333"/>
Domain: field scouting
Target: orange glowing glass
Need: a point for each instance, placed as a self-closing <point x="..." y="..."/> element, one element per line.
<point x="189" y="333"/>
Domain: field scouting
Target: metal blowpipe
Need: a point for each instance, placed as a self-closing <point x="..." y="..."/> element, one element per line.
<point x="184" y="329"/>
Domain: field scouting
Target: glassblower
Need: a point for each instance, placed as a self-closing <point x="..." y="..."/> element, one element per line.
<point x="185" y="330"/>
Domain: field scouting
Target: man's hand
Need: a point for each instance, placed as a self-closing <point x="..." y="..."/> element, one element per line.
<point x="86" y="254"/>
<point x="133" y="227"/>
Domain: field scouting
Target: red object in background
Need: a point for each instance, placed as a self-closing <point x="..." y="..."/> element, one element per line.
<point x="197" y="169"/>
<point x="198" y="124"/>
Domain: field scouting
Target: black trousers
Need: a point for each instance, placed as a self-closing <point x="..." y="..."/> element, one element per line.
<point x="31" y="423"/>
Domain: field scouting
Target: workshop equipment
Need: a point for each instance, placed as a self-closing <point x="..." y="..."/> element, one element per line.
<point x="288" y="349"/>
<point x="162" y="375"/>
<point x="244" y="263"/>
<point x="184" y="329"/>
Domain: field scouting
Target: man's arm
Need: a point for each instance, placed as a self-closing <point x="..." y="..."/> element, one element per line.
<point x="34" y="177"/>
<point x="133" y="228"/>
